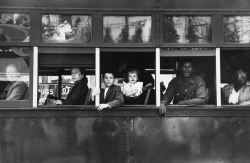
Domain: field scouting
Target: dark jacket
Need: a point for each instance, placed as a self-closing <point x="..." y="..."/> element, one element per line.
<point x="17" y="91"/>
<point x="193" y="93"/>
<point x="77" y="94"/>
<point x="114" y="97"/>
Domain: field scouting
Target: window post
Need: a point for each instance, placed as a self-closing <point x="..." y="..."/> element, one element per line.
<point x="218" y="77"/>
<point x="157" y="77"/>
<point x="97" y="74"/>
<point x="35" y="76"/>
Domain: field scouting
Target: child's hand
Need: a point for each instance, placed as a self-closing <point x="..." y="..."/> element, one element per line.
<point x="95" y="93"/>
<point x="146" y="87"/>
<point x="102" y="106"/>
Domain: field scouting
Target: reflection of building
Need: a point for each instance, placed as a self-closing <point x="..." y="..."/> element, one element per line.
<point x="197" y="28"/>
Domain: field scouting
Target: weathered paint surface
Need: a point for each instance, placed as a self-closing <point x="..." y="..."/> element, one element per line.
<point x="124" y="139"/>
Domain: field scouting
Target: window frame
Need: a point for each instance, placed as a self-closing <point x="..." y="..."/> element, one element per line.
<point x="60" y="50"/>
<point x="217" y="75"/>
<point x="215" y="24"/>
<point x="132" y="13"/>
<point x="29" y="101"/>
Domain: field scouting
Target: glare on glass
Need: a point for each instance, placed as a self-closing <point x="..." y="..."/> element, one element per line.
<point x="127" y="29"/>
<point x="66" y="28"/>
<point x="187" y="29"/>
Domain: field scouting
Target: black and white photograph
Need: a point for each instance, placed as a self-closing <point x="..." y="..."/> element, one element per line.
<point x="124" y="81"/>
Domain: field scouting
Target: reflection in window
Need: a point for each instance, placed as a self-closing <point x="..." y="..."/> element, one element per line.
<point x="187" y="29"/>
<point x="236" y="29"/>
<point x="66" y="28"/>
<point x="14" y="27"/>
<point x="127" y="29"/>
<point x="14" y="73"/>
<point x="134" y="72"/>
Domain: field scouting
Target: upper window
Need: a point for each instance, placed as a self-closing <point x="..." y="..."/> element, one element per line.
<point x="14" y="73"/>
<point x="236" y="29"/>
<point x="14" y="27"/>
<point x="66" y="28"/>
<point x="127" y="29"/>
<point x="187" y="29"/>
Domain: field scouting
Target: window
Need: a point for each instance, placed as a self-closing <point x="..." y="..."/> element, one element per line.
<point x="236" y="29"/>
<point x="234" y="74"/>
<point x="15" y="76"/>
<point x="58" y="78"/>
<point x="127" y="29"/>
<point x="14" y="27"/>
<point x="134" y="73"/>
<point x="200" y="75"/>
<point x="66" y="28"/>
<point x="187" y="29"/>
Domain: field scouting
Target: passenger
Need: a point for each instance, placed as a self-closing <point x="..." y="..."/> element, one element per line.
<point x="133" y="89"/>
<point x="79" y="91"/>
<point x="238" y="92"/>
<point x="186" y="89"/>
<point x="111" y="96"/>
<point x="16" y="89"/>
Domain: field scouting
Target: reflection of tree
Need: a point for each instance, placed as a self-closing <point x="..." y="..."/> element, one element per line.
<point x="209" y="34"/>
<point x="230" y="35"/>
<point x="124" y="35"/>
<point x="108" y="35"/>
<point x="137" y="38"/>
<point x="170" y="33"/>
<point x="191" y="35"/>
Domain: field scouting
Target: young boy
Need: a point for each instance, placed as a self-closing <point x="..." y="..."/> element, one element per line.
<point x="111" y="96"/>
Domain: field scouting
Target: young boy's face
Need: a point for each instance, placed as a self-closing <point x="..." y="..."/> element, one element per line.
<point x="108" y="79"/>
<point x="132" y="77"/>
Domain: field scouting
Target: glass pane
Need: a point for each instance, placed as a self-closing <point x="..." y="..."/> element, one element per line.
<point x="127" y="29"/>
<point x="187" y="29"/>
<point x="66" y="28"/>
<point x="14" y="73"/>
<point x="134" y="73"/>
<point x="237" y="29"/>
<point x="14" y="27"/>
<point x="48" y="85"/>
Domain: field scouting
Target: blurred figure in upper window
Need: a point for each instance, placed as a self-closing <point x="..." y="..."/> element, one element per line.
<point x="185" y="89"/>
<point x="237" y="92"/>
<point x="16" y="89"/>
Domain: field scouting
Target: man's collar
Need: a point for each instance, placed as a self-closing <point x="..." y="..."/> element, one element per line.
<point x="180" y="80"/>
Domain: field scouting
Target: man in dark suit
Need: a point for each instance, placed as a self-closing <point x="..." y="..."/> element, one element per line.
<point x="111" y="96"/>
<point x="16" y="89"/>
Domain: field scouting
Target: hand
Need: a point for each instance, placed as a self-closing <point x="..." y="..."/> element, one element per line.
<point x="57" y="102"/>
<point x="163" y="109"/>
<point x="95" y="93"/>
<point x="102" y="106"/>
